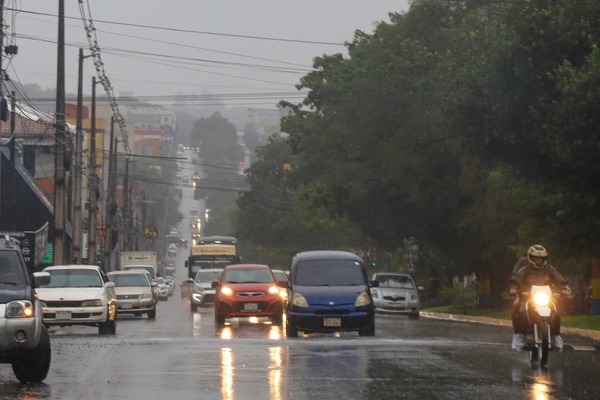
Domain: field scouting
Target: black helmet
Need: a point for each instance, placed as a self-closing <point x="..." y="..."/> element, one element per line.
<point x="537" y="250"/>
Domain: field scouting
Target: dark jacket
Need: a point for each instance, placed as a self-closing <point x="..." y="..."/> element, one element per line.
<point x="526" y="275"/>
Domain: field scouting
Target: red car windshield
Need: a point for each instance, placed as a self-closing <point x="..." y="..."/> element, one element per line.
<point x="247" y="275"/>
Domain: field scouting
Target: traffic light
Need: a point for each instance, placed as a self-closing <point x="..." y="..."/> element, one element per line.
<point x="373" y="264"/>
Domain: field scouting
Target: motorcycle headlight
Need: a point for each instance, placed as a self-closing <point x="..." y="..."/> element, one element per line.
<point x="91" y="303"/>
<point x="363" y="299"/>
<point x="541" y="299"/>
<point x="19" y="309"/>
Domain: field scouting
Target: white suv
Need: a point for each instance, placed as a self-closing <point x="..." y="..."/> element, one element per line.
<point x="79" y="295"/>
<point x="24" y="340"/>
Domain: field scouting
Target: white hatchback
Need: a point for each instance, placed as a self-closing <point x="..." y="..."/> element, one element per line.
<point x="79" y="295"/>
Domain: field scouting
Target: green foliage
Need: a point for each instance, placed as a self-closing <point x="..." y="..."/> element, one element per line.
<point x="469" y="128"/>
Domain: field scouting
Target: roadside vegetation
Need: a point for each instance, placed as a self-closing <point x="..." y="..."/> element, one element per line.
<point x="443" y="144"/>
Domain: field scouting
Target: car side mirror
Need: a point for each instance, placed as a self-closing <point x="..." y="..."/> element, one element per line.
<point x="41" y="279"/>
<point x="215" y="284"/>
<point x="374" y="283"/>
<point x="109" y="285"/>
<point x="284" y="284"/>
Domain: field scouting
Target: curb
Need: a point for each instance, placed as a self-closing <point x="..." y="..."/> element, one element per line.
<point x="595" y="335"/>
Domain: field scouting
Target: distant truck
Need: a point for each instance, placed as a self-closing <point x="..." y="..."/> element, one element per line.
<point x="147" y="260"/>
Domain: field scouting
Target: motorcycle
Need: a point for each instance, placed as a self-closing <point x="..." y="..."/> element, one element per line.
<point x="540" y="309"/>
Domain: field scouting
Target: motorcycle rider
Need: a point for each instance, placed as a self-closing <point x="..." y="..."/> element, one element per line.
<point x="534" y="270"/>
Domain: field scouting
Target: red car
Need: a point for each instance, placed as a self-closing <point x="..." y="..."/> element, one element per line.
<point x="247" y="290"/>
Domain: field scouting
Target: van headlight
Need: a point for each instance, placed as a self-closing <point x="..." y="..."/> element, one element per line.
<point x="19" y="309"/>
<point x="299" y="301"/>
<point x="363" y="299"/>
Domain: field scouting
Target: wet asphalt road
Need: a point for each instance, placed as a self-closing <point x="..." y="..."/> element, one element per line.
<point x="182" y="355"/>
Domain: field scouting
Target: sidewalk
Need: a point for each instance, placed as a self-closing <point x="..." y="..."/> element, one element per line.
<point x="595" y="335"/>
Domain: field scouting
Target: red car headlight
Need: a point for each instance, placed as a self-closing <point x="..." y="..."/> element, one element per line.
<point x="227" y="291"/>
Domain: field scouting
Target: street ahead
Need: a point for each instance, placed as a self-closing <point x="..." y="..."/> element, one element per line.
<point x="182" y="355"/>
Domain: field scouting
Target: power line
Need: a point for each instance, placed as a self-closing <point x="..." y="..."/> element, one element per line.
<point x="95" y="49"/>
<point x="161" y="28"/>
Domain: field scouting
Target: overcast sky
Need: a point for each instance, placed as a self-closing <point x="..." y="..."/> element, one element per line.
<point x="235" y="48"/>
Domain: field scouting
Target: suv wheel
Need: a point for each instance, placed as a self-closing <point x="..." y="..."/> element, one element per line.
<point x="32" y="365"/>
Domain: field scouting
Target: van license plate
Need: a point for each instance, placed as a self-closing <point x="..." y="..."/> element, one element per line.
<point x="250" y="306"/>
<point x="332" y="322"/>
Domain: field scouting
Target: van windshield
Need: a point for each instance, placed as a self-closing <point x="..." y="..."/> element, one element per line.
<point x="329" y="273"/>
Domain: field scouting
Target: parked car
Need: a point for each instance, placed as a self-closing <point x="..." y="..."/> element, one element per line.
<point x="329" y="292"/>
<point x="202" y="292"/>
<point x="396" y="293"/>
<point x="247" y="290"/>
<point x="79" y="295"/>
<point x="134" y="293"/>
<point x="24" y="340"/>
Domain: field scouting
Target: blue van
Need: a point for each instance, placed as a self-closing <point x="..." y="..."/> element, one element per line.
<point x="329" y="293"/>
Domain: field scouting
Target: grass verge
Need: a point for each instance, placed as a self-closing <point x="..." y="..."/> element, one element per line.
<point x="591" y="322"/>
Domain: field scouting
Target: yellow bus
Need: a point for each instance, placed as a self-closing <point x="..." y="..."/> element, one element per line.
<point x="212" y="252"/>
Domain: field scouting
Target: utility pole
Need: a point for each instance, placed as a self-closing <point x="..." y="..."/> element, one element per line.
<point x="93" y="181"/>
<point x="1" y="83"/>
<point x="59" y="167"/>
<point x="13" y="124"/>
<point x="110" y="200"/>
<point x="126" y="222"/>
<point x="78" y="166"/>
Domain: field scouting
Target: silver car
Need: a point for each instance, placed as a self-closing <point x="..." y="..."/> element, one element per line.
<point x="202" y="292"/>
<point x="396" y="293"/>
